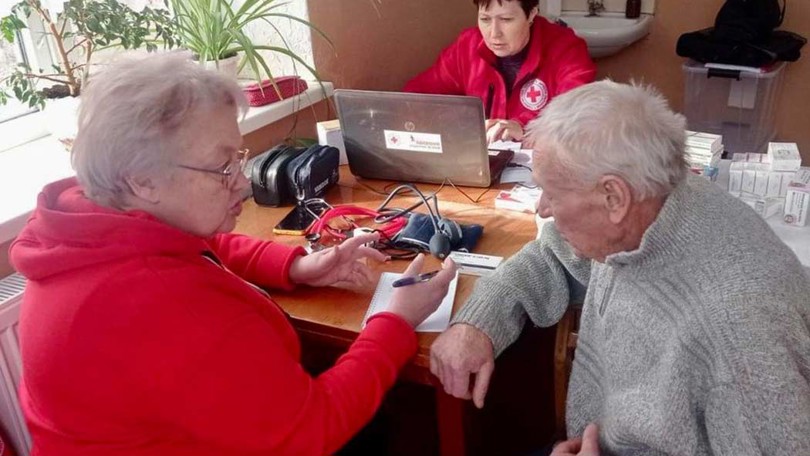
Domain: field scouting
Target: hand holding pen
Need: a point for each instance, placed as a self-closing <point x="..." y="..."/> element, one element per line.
<point x="418" y="295"/>
<point x="412" y="280"/>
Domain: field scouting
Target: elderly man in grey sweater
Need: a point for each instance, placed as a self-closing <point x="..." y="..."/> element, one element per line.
<point x="695" y="330"/>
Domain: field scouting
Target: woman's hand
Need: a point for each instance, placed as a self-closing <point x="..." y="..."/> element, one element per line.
<point x="503" y="130"/>
<point x="339" y="266"/>
<point x="416" y="302"/>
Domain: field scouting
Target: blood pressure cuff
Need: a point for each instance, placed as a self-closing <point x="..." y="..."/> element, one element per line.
<point x="286" y="174"/>
<point x="420" y="229"/>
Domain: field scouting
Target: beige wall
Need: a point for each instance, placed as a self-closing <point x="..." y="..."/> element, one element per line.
<point x="382" y="43"/>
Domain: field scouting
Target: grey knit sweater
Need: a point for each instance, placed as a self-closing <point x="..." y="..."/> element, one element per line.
<point x="696" y="343"/>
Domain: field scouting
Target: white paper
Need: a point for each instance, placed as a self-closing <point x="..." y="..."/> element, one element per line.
<point x="504" y="145"/>
<point x="523" y="173"/>
<point x="436" y="322"/>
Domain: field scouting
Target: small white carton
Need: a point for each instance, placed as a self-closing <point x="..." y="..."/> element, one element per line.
<point x="704" y="140"/>
<point x="774" y="184"/>
<point x="749" y="177"/>
<point x="797" y="200"/>
<point x="765" y="207"/>
<point x="735" y="176"/>
<point x="329" y="134"/>
<point x="787" y="177"/>
<point x="784" y="156"/>
<point x="761" y="179"/>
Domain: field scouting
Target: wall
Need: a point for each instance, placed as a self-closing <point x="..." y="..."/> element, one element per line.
<point x="380" y="44"/>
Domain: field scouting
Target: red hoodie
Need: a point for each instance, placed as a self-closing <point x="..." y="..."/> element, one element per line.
<point x="557" y="61"/>
<point x="134" y="343"/>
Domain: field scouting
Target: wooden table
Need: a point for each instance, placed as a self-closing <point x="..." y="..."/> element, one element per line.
<point x="332" y="317"/>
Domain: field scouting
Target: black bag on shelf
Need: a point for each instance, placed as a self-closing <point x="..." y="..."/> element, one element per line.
<point x="743" y="34"/>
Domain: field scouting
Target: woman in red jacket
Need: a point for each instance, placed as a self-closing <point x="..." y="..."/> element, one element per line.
<point x="145" y="327"/>
<point x="515" y="61"/>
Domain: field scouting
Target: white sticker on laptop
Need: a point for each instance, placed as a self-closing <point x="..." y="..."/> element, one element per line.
<point x="415" y="142"/>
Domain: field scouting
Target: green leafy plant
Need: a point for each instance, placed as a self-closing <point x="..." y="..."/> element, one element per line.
<point x="215" y="29"/>
<point x="80" y="30"/>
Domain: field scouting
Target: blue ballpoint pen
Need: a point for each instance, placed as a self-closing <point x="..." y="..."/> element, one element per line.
<point x="405" y="281"/>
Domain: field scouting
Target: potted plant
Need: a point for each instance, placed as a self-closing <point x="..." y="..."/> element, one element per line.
<point x="216" y="31"/>
<point x="78" y="29"/>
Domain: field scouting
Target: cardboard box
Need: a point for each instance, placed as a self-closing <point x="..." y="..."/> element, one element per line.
<point x="329" y="134"/>
<point x="703" y="140"/>
<point x="784" y="156"/>
<point x="797" y="200"/>
<point x="749" y="177"/>
<point x="761" y="183"/>
<point x="774" y="184"/>
<point x="787" y="176"/>
<point x="735" y="176"/>
<point x="765" y="207"/>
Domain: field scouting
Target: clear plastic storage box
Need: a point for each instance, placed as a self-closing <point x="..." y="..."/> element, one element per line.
<point x="739" y="105"/>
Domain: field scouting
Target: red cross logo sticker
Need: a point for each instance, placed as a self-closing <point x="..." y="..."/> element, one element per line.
<point x="534" y="95"/>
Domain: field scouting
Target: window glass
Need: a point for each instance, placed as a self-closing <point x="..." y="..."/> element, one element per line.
<point x="10" y="55"/>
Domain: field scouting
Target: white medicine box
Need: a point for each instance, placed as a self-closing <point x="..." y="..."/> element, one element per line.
<point x="797" y="200"/>
<point x="330" y="134"/>
<point x="739" y="105"/>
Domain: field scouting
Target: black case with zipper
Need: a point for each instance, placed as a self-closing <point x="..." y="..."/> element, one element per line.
<point x="285" y="174"/>
<point x="313" y="172"/>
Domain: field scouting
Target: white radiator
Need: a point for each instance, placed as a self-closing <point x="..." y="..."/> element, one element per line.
<point x="11" y="291"/>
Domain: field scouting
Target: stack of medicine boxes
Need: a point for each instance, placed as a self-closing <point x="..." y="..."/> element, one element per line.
<point x="763" y="180"/>
<point x="703" y="151"/>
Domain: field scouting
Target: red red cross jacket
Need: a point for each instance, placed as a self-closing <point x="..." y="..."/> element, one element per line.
<point x="134" y="343"/>
<point x="557" y="61"/>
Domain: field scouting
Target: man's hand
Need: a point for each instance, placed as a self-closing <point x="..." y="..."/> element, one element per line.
<point x="339" y="266"/>
<point x="587" y="445"/>
<point x="458" y="352"/>
<point x="506" y="130"/>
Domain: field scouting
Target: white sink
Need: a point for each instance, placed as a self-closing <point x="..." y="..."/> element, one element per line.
<point x="607" y="33"/>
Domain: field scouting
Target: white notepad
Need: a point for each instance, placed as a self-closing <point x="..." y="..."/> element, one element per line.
<point x="436" y="322"/>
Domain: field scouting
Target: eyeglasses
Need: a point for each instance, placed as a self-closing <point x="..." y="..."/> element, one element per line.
<point x="229" y="172"/>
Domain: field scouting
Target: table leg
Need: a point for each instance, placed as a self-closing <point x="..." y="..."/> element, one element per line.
<point x="450" y="415"/>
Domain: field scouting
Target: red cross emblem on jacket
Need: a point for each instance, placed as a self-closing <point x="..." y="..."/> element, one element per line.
<point x="534" y="94"/>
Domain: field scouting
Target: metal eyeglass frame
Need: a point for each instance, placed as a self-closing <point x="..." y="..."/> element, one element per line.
<point x="227" y="173"/>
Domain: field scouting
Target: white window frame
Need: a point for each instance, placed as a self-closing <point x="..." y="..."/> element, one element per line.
<point x="28" y="127"/>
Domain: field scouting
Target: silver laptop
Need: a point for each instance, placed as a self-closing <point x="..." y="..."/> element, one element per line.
<point x="417" y="138"/>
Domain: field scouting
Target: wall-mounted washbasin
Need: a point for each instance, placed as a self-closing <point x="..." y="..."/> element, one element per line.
<point x="607" y="33"/>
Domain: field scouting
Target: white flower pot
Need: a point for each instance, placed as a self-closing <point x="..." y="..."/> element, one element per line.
<point x="228" y="66"/>
<point x="62" y="117"/>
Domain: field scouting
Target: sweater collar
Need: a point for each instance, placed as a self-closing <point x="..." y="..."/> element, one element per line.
<point x="675" y="227"/>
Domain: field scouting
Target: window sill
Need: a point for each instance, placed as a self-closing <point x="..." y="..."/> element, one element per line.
<point x="25" y="169"/>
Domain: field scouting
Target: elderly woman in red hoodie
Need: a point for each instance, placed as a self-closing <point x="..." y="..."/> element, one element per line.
<point x="515" y="61"/>
<point x="145" y="328"/>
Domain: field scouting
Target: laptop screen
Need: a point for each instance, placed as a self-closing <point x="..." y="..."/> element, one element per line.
<point x="414" y="137"/>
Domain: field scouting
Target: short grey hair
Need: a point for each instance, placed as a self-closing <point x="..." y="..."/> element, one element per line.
<point x="609" y="128"/>
<point x="131" y="115"/>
